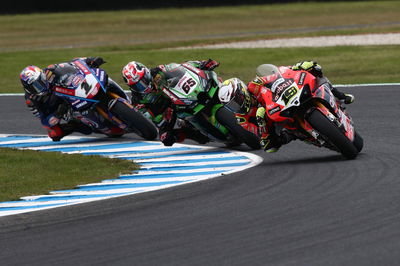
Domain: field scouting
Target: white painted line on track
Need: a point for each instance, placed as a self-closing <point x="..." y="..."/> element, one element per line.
<point x="161" y="167"/>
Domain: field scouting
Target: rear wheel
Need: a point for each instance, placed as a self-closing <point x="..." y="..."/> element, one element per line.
<point x="227" y="119"/>
<point x="135" y="121"/>
<point x="328" y="129"/>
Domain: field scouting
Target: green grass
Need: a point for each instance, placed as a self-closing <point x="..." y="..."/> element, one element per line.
<point x="135" y="27"/>
<point x="25" y="173"/>
<point x="122" y="36"/>
<point x="343" y="65"/>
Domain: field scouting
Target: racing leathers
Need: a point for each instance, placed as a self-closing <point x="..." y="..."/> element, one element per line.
<point x="160" y="109"/>
<point x="270" y="140"/>
<point x="53" y="111"/>
<point x="316" y="70"/>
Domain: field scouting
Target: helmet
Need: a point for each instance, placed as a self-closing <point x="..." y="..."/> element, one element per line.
<point x="234" y="95"/>
<point x="137" y="77"/>
<point x="34" y="80"/>
<point x="266" y="70"/>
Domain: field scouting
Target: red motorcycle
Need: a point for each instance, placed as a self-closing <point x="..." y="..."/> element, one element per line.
<point x="296" y="103"/>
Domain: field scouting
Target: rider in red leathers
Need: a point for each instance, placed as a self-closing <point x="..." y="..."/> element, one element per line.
<point x="247" y="103"/>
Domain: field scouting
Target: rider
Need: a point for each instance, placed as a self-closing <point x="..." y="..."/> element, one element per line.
<point x="48" y="107"/>
<point x="316" y="70"/>
<point x="146" y="86"/>
<point x="253" y="115"/>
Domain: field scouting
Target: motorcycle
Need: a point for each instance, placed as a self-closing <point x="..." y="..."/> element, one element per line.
<point x="309" y="111"/>
<point x="194" y="94"/>
<point x="99" y="102"/>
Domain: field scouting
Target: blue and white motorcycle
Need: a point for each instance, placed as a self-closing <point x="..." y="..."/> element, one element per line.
<point x="99" y="102"/>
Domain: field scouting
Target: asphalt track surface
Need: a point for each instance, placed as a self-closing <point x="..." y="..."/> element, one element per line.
<point x="300" y="206"/>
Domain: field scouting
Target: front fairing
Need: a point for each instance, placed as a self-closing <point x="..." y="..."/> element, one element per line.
<point x="189" y="88"/>
<point x="283" y="96"/>
<point x="80" y="84"/>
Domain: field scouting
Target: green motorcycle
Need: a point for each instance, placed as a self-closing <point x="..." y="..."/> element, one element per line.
<point x="194" y="94"/>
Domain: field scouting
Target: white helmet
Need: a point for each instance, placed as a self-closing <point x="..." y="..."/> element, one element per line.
<point x="234" y="95"/>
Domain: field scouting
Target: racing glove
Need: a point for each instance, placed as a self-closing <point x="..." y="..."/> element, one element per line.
<point x="260" y="116"/>
<point x="95" y="62"/>
<point x="209" y="64"/>
<point x="349" y="98"/>
<point x="168" y="138"/>
<point x="61" y="110"/>
<point x="32" y="108"/>
<point x="310" y="66"/>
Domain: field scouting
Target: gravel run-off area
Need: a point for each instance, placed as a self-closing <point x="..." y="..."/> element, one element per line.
<point x="340" y="40"/>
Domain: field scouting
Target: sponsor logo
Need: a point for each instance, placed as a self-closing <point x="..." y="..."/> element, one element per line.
<point x="51" y="79"/>
<point x="82" y="67"/>
<point x="79" y="105"/>
<point x="64" y="91"/>
<point x="281" y="85"/>
<point x="48" y="74"/>
<point x="171" y="95"/>
<point x="190" y="67"/>
<point x="274" y="110"/>
<point x="77" y="80"/>
<point x="302" y="77"/>
<point x="53" y="121"/>
<point x="102" y="76"/>
<point x="89" y="122"/>
<point x="195" y="70"/>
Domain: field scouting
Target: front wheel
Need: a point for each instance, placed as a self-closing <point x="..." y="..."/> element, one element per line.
<point x="328" y="129"/>
<point x="135" y="121"/>
<point x="228" y="120"/>
<point x="358" y="141"/>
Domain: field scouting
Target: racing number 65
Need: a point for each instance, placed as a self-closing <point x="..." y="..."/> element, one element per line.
<point x="188" y="85"/>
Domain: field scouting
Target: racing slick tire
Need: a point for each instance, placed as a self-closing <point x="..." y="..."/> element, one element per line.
<point x="358" y="141"/>
<point x="328" y="129"/>
<point x="227" y="119"/>
<point x="135" y="121"/>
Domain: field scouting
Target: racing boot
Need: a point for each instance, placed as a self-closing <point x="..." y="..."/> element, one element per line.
<point x="75" y="125"/>
<point x="115" y="132"/>
<point x="271" y="143"/>
<point x="56" y="133"/>
<point x="346" y="97"/>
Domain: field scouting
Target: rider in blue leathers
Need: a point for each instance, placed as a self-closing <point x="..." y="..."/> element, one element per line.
<point x="45" y="105"/>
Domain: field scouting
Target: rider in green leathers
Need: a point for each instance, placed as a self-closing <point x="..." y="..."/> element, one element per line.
<point x="147" y="96"/>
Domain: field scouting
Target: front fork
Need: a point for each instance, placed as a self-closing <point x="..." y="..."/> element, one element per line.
<point x="107" y="114"/>
<point x="214" y="121"/>
<point x="209" y="125"/>
<point x="343" y="122"/>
